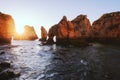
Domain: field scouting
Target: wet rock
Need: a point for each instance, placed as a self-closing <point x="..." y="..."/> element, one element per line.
<point x="43" y="34"/>
<point x="7" y="28"/>
<point x="107" y="28"/>
<point x="29" y="34"/>
<point x="2" y="53"/>
<point x="5" y="65"/>
<point x="7" y="74"/>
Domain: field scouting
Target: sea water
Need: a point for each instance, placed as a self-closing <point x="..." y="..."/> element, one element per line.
<point x="51" y="62"/>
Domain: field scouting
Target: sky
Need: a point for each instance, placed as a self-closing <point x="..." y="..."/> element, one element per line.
<point x="46" y="13"/>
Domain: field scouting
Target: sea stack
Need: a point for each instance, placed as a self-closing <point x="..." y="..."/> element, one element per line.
<point x="43" y="34"/>
<point x="7" y="28"/>
<point x="29" y="34"/>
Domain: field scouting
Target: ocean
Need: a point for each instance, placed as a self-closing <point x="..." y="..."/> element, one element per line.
<point x="35" y="61"/>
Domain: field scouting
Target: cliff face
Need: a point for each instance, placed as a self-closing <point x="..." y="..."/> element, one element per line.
<point x="29" y="34"/>
<point x="106" y="30"/>
<point x="82" y="25"/>
<point x="107" y="27"/>
<point x="7" y="28"/>
<point x="43" y="34"/>
<point x="70" y="31"/>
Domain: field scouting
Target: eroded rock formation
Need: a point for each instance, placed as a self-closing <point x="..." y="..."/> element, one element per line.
<point x="82" y="25"/>
<point x="52" y="32"/>
<point x="7" y="28"/>
<point x="70" y="32"/>
<point x="107" y="28"/>
<point x="29" y="34"/>
<point x="43" y="34"/>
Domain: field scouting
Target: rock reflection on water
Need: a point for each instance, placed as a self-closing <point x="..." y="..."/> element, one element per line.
<point x="37" y="62"/>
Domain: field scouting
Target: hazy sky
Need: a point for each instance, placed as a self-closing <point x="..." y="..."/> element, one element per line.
<point x="46" y="13"/>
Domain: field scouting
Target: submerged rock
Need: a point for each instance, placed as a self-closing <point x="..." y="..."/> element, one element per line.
<point x="7" y="28"/>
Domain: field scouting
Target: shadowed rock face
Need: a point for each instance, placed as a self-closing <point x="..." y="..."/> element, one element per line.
<point x="29" y="34"/>
<point x="107" y="28"/>
<point x="7" y="28"/>
<point x="68" y="32"/>
<point x="52" y="32"/>
<point x="43" y="34"/>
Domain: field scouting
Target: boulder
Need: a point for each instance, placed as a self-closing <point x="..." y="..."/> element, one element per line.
<point x="5" y="65"/>
<point x="29" y="34"/>
<point x="8" y="74"/>
<point x="1" y="53"/>
<point x="43" y="34"/>
<point x="7" y="28"/>
<point x="107" y="28"/>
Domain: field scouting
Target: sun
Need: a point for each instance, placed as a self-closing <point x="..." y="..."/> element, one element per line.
<point x="20" y="30"/>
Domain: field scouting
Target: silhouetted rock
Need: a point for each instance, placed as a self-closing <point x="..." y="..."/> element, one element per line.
<point x="7" y="28"/>
<point x="43" y="34"/>
<point x="70" y="32"/>
<point x="29" y="34"/>
<point x="107" y="28"/>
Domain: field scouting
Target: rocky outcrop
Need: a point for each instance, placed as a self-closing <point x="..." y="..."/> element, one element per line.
<point x="82" y="25"/>
<point x="29" y="34"/>
<point x="7" y="28"/>
<point x="51" y="34"/>
<point x="43" y="34"/>
<point x="70" y="32"/>
<point x="107" y="28"/>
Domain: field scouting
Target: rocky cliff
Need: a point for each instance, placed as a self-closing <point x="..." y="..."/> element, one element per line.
<point x="79" y="31"/>
<point x="29" y="34"/>
<point x="68" y="32"/>
<point x="107" y="28"/>
<point x="82" y="25"/>
<point x="7" y="28"/>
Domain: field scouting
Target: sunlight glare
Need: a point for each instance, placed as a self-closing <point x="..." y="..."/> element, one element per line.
<point x="20" y="30"/>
